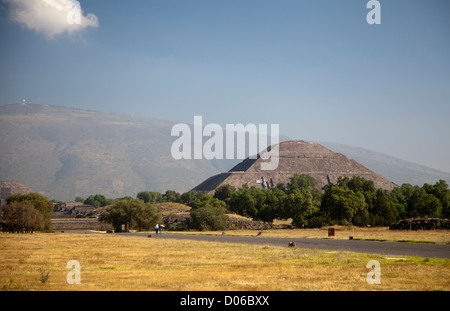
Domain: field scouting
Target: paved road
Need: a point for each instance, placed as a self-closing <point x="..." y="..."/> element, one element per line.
<point x="370" y="247"/>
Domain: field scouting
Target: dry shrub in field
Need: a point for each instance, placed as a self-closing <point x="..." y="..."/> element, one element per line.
<point x="44" y="273"/>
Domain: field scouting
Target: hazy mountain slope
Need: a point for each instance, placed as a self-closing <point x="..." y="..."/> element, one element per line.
<point x="396" y="170"/>
<point x="66" y="152"/>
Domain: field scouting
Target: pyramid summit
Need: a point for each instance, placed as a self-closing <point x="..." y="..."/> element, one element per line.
<point x="295" y="157"/>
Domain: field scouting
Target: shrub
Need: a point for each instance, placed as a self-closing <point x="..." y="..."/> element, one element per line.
<point x="224" y="192"/>
<point x="40" y="203"/>
<point x="136" y="213"/>
<point x="316" y="222"/>
<point x="208" y="217"/>
<point x="21" y="217"/>
<point x="149" y="196"/>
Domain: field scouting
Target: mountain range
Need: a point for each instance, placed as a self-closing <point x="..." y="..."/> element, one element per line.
<point x="63" y="153"/>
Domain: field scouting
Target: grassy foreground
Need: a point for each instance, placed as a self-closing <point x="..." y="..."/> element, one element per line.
<point x="111" y="262"/>
<point x="344" y="232"/>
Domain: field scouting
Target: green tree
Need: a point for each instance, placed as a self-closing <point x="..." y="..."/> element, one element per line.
<point x="280" y="186"/>
<point x="208" y="217"/>
<point x="299" y="206"/>
<point x="149" y="196"/>
<point x="430" y="206"/>
<point x="302" y="181"/>
<point x="136" y="213"/>
<point x="259" y="196"/>
<point x="97" y="200"/>
<point x="207" y="199"/>
<point x="341" y="203"/>
<point x="171" y="196"/>
<point x="40" y="203"/>
<point x="79" y="199"/>
<point x="400" y="202"/>
<point x="384" y="207"/>
<point x="442" y="193"/>
<point x="266" y="213"/>
<point x="357" y="184"/>
<point x="361" y="185"/>
<point x="423" y="204"/>
<point x="362" y="218"/>
<point x="21" y="217"/>
<point x="190" y="196"/>
<point x="224" y="192"/>
<point x="243" y="203"/>
<point x="278" y="203"/>
<point x="144" y="217"/>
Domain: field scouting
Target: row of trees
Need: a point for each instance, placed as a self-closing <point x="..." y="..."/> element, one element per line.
<point x="99" y="200"/>
<point x="207" y="213"/>
<point x="350" y="201"/>
<point x="357" y="201"/>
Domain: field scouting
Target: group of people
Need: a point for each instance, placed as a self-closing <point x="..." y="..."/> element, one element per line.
<point x="158" y="229"/>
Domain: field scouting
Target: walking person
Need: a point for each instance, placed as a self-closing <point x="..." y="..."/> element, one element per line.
<point x="157" y="229"/>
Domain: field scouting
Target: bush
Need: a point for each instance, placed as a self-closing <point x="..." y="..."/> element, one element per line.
<point x="39" y="203"/>
<point x="208" y="217"/>
<point x="97" y="200"/>
<point x="21" y="217"/>
<point x="136" y="213"/>
<point x="316" y="222"/>
<point x="145" y="217"/>
<point x="224" y="192"/>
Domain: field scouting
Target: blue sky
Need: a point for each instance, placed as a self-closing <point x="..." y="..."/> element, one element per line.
<point x="316" y="67"/>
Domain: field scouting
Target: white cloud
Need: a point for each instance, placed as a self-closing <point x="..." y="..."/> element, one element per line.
<point x="51" y="17"/>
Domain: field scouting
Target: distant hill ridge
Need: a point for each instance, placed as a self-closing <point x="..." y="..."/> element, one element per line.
<point x="64" y="152"/>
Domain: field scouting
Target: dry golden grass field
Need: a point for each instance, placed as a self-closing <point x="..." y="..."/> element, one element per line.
<point x="111" y="262"/>
<point x="344" y="232"/>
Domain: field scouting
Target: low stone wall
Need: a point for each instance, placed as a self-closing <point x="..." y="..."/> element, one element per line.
<point x="79" y="224"/>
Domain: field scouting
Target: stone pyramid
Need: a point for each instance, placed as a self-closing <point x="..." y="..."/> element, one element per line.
<point x="295" y="157"/>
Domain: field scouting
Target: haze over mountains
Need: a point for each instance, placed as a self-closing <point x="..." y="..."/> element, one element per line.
<point x="64" y="152"/>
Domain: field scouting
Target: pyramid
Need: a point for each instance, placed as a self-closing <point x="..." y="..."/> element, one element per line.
<point x="8" y="188"/>
<point x="295" y="157"/>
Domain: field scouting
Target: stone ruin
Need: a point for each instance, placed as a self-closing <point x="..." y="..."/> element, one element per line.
<point x="74" y="210"/>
